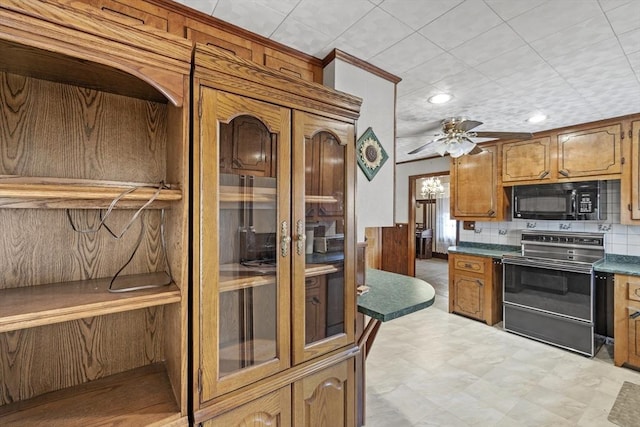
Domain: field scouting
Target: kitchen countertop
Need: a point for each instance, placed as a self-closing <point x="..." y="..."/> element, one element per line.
<point x="393" y="295"/>
<point x="611" y="263"/>
<point x="484" y="249"/>
<point x="622" y="264"/>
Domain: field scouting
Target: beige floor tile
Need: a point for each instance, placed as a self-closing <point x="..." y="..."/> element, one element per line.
<point x="432" y="368"/>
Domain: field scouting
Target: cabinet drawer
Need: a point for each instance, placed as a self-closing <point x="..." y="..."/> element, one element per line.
<point x="634" y="291"/>
<point x="471" y="264"/>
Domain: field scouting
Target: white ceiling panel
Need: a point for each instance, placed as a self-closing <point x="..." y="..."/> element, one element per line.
<point x="461" y="24"/>
<point x="501" y="60"/>
<point x="488" y="45"/>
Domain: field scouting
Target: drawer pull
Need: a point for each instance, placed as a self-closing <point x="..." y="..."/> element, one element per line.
<point x="637" y="292"/>
<point x="467" y="265"/>
<point x="635" y="315"/>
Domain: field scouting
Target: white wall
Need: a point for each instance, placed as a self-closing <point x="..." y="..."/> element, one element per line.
<point x="374" y="200"/>
<point x="404" y="171"/>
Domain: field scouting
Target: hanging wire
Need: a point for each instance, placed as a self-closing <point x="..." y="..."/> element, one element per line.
<point x="165" y="281"/>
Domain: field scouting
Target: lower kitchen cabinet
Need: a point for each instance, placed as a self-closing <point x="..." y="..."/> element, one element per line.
<point x="273" y="410"/>
<point x="627" y="320"/>
<point x="475" y="287"/>
<point x="326" y="398"/>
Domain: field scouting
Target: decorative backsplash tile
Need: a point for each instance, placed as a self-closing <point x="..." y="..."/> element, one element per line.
<point x="619" y="239"/>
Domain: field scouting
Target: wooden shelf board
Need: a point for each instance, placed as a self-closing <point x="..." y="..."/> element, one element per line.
<point x="32" y="306"/>
<point x="30" y="192"/>
<point x="319" y="269"/>
<point x="230" y="193"/>
<point x="140" y="397"/>
<point x="320" y="199"/>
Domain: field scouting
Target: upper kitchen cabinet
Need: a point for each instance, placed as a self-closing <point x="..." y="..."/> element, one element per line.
<point x="528" y="161"/>
<point x="274" y="237"/>
<point x="94" y="175"/>
<point x="476" y="192"/>
<point x="630" y="183"/>
<point x="592" y="152"/>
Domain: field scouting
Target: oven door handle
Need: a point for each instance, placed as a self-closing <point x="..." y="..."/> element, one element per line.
<point x="527" y="262"/>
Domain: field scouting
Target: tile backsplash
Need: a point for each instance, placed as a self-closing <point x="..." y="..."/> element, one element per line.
<point x="619" y="239"/>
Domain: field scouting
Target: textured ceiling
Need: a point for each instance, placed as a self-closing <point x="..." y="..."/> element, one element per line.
<point x="502" y="60"/>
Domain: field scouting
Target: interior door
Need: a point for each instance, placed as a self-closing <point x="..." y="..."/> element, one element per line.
<point x="323" y="233"/>
<point x="244" y="227"/>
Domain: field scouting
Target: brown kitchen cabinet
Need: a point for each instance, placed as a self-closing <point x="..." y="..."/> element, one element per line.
<point x="593" y="152"/>
<point x="476" y="191"/>
<point x="475" y="287"/>
<point x="326" y="398"/>
<point x="97" y="111"/>
<point x="528" y="161"/>
<point x="273" y="409"/>
<point x="269" y="311"/>
<point x="627" y="320"/>
<point x="630" y="183"/>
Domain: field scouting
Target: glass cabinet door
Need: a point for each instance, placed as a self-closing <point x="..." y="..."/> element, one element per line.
<point x="323" y="249"/>
<point x="245" y="285"/>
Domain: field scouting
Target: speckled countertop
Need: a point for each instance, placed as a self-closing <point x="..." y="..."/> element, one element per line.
<point x="612" y="263"/>
<point x="623" y="264"/>
<point x="484" y="249"/>
<point x="394" y="295"/>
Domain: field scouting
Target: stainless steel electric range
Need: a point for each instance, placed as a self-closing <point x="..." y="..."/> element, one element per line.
<point x="549" y="289"/>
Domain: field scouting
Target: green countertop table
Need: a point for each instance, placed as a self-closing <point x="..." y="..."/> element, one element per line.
<point x="390" y="296"/>
<point x="393" y="295"/>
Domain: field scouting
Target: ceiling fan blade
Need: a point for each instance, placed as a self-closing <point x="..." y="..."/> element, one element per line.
<point x="476" y="150"/>
<point x="505" y="135"/>
<point x="427" y="128"/>
<point x="467" y="125"/>
<point x="421" y="148"/>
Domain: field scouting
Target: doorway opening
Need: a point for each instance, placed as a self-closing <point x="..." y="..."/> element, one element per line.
<point x="429" y="215"/>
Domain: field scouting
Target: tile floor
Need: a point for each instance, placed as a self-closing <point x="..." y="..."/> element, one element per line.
<point x="432" y="368"/>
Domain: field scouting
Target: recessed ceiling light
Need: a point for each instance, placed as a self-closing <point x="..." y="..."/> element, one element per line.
<point x="440" y="98"/>
<point x="537" y="118"/>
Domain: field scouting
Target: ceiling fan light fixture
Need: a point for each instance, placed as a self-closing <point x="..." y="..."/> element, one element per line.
<point x="440" y="98"/>
<point x="537" y="118"/>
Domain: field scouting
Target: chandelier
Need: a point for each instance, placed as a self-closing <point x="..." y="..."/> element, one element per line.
<point x="431" y="187"/>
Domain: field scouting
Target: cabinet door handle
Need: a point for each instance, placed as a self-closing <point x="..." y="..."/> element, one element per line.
<point x="637" y="292"/>
<point x="315" y="300"/>
<point x="491" y="212"/>
<point x="564" y="172"/>
<point x="301" y="238"/>
<point x="479" y="282"/>
<point x="284" y="239"/>
<point x="543" y="174"/>
<point x="635" y="315"/>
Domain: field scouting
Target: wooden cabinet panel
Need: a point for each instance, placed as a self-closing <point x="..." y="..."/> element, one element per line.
<point x="326" y="398"/>
<point x="211" y="36"/>
<point x="469" y="296"/>
<point x="475" y="287"/>
<point x="527" y="161"/>
<point x="630" y="186"/>
<point x="590" y="152"/>
<point x="272" y="410"/>
<point x="245" y="147"/>
<point x="134" y="13"/>
<point x="626" y="320"/>
<point x="475" y="190"/>
<point x="397" y="256"/>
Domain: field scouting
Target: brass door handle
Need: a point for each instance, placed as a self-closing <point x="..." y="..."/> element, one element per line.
<point x="564" y="172"/>
<point x="285" y="239"/>
<point x="301" y="238"/>
<point x="543" y="174"/>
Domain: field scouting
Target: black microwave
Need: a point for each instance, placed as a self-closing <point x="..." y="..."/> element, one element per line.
<point x="563" y="201"/>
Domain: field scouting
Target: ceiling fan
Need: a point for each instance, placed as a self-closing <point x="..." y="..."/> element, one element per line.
<point x="455" y="137"/>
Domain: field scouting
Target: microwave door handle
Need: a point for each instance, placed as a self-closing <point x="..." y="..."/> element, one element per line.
<point x="516" y="208"/>
<point x="573" y="206"/>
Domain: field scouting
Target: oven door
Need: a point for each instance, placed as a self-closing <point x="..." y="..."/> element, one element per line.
<point x="556" y="287"/>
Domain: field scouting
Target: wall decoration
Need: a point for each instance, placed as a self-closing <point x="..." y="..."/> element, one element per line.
<point x="370" y="153"/>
